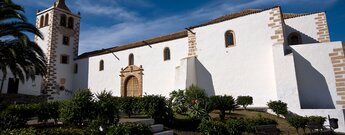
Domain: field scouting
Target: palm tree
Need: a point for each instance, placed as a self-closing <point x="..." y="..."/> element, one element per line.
<point x="22" y="57"/>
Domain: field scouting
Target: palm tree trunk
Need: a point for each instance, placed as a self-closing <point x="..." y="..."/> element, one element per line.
<point x="2" y="83"/>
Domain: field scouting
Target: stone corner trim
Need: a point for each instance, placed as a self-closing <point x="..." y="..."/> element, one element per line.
<point x="338" y="61"/>
<point x="276" y="23"/>
<point x="191" y="44"/>
<point x="322" y="28"/>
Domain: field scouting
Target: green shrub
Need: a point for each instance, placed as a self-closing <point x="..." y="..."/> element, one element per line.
<point x="156" y="107"/>
<point x="80" y="109"/>
<point x="318" y="119"/>
<point x="197" y="113"/>
<point x="195" y="95"/>
<point x="236" y="126"/>
<point x="223" y="103"/>
<point x="16" y="116"/>
<point x="106" y="109"/>
<point x="178" y="101"/>
<point x="21" y="131"/>
<point x="47" y="110"/>
<point x="278" y="107"/>
<point x="129" y="105"/>
<point x="251" y="123"/>
<point x="129" y="129"/>
<point x="209" y="127"/>
<point x="62" y="131"/>
<point x="298" y="122"/>
<point x="244" y="101"/>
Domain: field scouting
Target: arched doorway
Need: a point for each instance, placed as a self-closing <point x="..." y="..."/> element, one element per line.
<point x="132" y="87"/>
<point x="132" y="81"/>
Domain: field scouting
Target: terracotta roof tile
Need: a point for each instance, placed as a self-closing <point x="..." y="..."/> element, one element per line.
<point x="229" y="17"/>
<point x="159" y="39"/>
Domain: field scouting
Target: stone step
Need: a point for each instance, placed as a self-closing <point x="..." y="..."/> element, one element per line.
<point x="147" y="122"/>
<point x="169" y="132"/>
<point x="156" y="128"/>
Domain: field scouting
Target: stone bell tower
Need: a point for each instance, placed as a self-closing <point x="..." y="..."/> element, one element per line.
<point x="60" y="28"/>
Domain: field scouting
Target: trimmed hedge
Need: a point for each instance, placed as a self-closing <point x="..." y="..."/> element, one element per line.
<point x="233" y="126"/>
<point x="210" y="127"/>
<point x="22" y="131"/>
<point x="236" y="126"/>
<point x="62" y="131"/>
<point x="129" y="129"/>
<point x="15" y="116"/>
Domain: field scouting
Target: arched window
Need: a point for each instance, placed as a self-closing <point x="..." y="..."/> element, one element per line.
<point x="63" y="18"/>
<point x="294" y="38"/>
<point x="101" y="65"/>
<point x="230" y="38"/>
<point x="70" y="22"/>
<point x="166" y="54"/>
<point x="42" y="21"/>
<point x="131" y="59"/>
<point x="46" y="20"/>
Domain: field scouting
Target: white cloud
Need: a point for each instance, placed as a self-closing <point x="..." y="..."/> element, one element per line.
<point x="106" y="9"/>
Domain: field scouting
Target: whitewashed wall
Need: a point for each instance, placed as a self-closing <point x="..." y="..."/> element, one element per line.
<point x="306" y="25"/>
<point x="29" y="87"/>
<point x="80" y="79"/>
<point x="245" y="69"/>
<point x="159" y="75"/>
<point x="306" y="81"/>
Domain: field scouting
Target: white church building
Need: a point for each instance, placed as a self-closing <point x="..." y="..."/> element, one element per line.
<point x="264" y="53"/>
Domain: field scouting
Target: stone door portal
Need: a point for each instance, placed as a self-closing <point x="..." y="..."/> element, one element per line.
<point x="132" y="81"/>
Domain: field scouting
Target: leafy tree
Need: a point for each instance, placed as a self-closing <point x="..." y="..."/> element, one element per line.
<point x="298" y="122"/>
<point x="278" y="107"/>
<point x="106" y="109"/>
<point x="80" y="110"/>
<point x="22" y="57"/>
<point x="223" y="103"/>
<point x="244" y="101"/>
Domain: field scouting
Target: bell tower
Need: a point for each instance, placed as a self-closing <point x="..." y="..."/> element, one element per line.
<point x="60" y="28"/>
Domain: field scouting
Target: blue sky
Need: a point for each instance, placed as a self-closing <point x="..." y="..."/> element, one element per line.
<point x="108" y="23"/>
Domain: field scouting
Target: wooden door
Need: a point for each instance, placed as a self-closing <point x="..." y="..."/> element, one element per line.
<point x="132" y="87"/>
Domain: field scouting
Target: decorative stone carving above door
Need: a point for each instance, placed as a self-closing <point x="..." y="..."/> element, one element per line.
<point x="132" y="81"/>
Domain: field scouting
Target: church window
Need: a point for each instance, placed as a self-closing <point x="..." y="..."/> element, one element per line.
<point x="229" y="38"/>
<point x="65" y="40"/>
<point x="294" y="38"/>
<point x="63" y="19"/>
<point x="75" y="68"/>
<point x="101" y="65"/>
<point x="166" y="54"/>
<point x="64" y="59"/>
<point x="42" y="21"/>
<point x="131" y="59"/>
<point x="70" y="22"/>
<point x="46" y="20"/>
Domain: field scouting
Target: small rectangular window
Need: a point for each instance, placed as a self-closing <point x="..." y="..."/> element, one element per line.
<point x="64" y="59"/>
<point x="65" y="40"/>
<point x="76" y="68"/>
